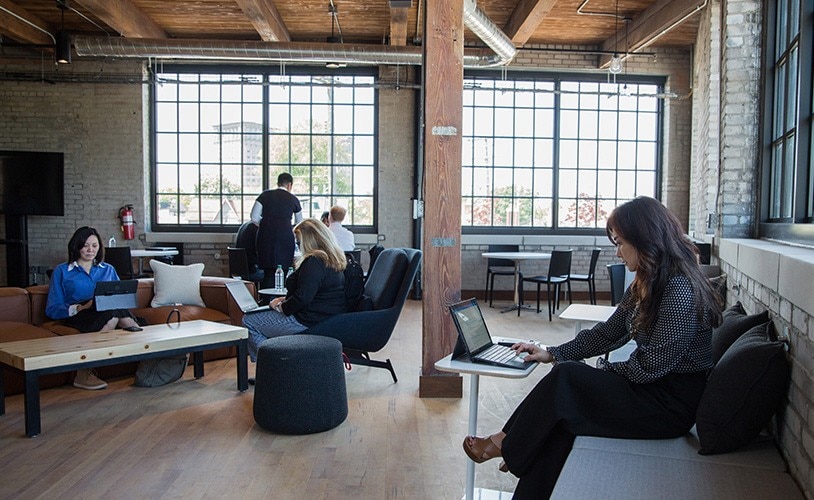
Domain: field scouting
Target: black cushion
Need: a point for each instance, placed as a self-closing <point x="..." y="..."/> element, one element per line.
<point x="735" y="323"/>
<point x="744" y="390"/>
<point x="382" y="285"/>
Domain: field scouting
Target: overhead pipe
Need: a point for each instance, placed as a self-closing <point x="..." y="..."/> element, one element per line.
<point x="313" y="52"/>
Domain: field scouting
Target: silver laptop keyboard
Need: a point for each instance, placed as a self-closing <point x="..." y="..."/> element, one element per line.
<point x="497" y="353"/>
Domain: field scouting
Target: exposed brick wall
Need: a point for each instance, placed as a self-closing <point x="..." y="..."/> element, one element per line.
<point x="397" y="151"/>
<point x="101" y="130"/>
<point x="739" y="107"/>
<point x="725" y="180"/>
<point x="706" y="121"/>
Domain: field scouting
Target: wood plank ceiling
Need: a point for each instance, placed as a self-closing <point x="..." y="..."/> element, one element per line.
<point x="605" y="25"/>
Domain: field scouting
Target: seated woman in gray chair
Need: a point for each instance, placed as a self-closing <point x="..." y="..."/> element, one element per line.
<point x="315" y="290"/>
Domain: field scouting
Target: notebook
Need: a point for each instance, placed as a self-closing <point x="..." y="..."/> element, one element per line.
<point x="119" y="294"/>
<point x="244" y="298"/>
<point x="477" y="343"/>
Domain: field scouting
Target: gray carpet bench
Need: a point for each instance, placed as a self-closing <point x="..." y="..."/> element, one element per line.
<point x="672" y="469"/>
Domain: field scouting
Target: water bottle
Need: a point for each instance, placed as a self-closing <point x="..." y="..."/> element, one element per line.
<point x="111" y="242"/>
<point x="289" y="273"/>
<point x="279" y="278"/>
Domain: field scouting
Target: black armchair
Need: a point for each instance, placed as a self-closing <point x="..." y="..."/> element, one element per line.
<point x="387" y="286"/>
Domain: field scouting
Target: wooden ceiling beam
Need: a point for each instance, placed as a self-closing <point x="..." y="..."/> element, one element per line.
<point x="124" y="17"/>
<point x="649" y="25"/>
<point x="398" y="26"/>
<point x="266" y="19"/>
<point x="19" y="30"/>
<point x="526" y="16"/>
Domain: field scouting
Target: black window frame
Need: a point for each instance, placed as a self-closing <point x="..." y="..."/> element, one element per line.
<point x="557" y="78"/>
<point x="268" y="181"/>
<point x="796" y="226"/>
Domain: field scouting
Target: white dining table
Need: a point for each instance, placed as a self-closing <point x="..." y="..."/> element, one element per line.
<point x="518" y="258"/>
<point x="142" y="253"/>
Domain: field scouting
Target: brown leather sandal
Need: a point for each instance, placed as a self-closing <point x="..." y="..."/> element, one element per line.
<point x="481" y="449"/>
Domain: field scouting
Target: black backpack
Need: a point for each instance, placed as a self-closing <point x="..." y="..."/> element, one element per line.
<point x="354" y="283"/>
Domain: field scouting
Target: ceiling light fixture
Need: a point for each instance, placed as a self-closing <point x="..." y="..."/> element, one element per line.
<point x="616" y="66"/>
<point x="62" y="47"/>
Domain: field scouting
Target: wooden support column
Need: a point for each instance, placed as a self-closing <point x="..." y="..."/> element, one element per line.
<point x="441" y="239"/>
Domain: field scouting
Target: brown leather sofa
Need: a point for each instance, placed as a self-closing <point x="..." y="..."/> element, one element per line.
<point x="22" y="317"/>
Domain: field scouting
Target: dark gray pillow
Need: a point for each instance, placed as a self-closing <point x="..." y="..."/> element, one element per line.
<point x="744" y="390"/>
<point x="735" y="323"/>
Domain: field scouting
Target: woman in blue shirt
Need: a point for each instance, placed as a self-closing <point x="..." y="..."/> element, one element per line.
<point x="669" y="311"/>
<point x="70" y="294"/>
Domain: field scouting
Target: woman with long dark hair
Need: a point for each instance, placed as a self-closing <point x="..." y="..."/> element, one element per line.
<point x="669" y="311"/>
<point x="70" y="294"/>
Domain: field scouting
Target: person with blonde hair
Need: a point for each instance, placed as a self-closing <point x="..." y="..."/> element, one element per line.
<point x="315" y="291"/>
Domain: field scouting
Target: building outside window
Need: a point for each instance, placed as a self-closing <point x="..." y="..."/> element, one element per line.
<point x="221" y="138"/>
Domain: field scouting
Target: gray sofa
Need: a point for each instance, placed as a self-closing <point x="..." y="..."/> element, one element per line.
<point x="672" y="469"/>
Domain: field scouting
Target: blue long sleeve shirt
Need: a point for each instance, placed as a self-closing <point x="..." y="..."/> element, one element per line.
<point x="71" y="285"/>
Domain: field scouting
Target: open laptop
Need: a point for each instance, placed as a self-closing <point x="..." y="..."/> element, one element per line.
<point x="244" y="298"/>
<point x="477" y="342"/>
<point x="119" y="294"/>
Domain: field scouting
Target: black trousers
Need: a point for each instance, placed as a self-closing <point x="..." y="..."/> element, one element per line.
<point x="575" y="399"/>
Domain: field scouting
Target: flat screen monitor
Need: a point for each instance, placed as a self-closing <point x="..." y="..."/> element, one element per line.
<point x="32" y="183"/>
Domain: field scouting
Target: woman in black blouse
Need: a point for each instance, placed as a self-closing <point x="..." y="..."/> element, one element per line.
<point x="669" y="311"/>
<point x="315" y="290"/>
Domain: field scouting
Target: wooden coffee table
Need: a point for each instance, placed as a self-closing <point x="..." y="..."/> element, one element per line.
<point x="37" y="357"/>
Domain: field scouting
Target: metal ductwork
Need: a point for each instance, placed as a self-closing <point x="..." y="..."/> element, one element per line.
<point x="235" y="50"/>
<point x="483" y="27"/>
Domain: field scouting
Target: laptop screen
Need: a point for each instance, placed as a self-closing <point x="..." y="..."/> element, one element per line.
<point x="471" y="326"/>
<point x="242" y="296"/>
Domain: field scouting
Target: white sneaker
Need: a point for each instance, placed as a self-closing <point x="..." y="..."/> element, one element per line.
<point x="87" y="379"/>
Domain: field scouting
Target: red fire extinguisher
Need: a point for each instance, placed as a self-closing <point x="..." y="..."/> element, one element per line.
<point x="128" y="224"/>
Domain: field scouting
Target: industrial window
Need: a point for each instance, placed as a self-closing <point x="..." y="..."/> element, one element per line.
<point x="787" y="208"/>
<point x="222" y="137"/>
<point x="556" y="153"/>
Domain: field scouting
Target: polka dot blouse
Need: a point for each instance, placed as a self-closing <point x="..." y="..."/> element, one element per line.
<point x="674" y="342"/>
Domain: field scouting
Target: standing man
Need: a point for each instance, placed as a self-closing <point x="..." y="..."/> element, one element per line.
<point x="343" y="236"/>
<point x="272" y="213"/>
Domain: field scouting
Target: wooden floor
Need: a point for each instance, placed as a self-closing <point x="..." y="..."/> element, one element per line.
<point x="198" y="439"/>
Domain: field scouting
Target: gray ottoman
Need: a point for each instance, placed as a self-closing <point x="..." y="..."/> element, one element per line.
<point x="300" y="384"/>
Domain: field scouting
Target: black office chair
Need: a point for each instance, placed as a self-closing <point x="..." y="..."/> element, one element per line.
<point x="374" y="252"/>
<point x="616" y="274"/>
<point x="497" y="267"/>
<point x="368" y="330"/>
<point x="559" y="270"/>
<point x="122" y="262"/>
<point x="590" y="277"/>
<point x="355" y="254"/>
<point x="238" y="263"/>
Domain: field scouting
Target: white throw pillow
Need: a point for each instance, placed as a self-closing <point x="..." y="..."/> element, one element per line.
<point x="176" y="284"/>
